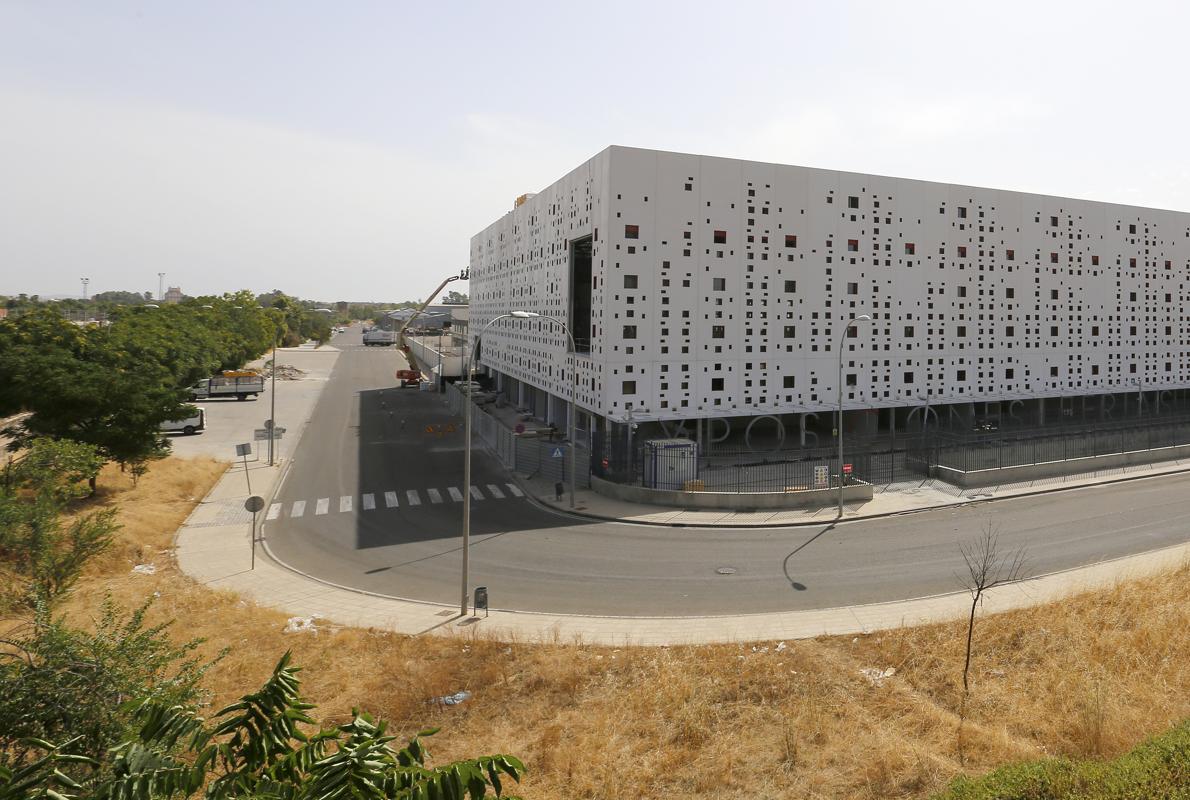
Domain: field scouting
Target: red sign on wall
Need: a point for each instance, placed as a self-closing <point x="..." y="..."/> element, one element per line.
<point x="846" y="469"/>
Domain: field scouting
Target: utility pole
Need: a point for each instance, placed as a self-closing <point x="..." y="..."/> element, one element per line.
<point x="273" y="403"/>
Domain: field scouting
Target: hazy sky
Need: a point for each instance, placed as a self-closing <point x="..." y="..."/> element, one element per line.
<point x="350" y="150"/>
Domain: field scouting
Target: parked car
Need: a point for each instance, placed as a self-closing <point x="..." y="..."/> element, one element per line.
<point x="986" y="426"/>
<point x="188" y="426"/>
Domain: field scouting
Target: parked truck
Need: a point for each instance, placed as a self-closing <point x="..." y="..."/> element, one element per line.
<point x="235" y="383"/>
<point x="379" y="338"/>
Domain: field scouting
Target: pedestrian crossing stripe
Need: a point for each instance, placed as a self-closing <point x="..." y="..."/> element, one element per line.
<point x="322" y="505"/>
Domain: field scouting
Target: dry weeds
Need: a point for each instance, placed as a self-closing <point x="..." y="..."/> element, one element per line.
<point x="1091" y="676"/>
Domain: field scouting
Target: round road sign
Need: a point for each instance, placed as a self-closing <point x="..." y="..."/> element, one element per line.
<point x="254" y="503"/>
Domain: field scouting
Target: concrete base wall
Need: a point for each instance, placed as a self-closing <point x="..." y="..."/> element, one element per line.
<point x="1051" y="469"/>
<point x="732" y="501"/>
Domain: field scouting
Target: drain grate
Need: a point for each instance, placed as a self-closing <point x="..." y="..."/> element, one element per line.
<point x="726" y="570"/>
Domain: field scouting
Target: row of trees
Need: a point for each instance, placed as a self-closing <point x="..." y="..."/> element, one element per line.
<point x="113" y="385"/>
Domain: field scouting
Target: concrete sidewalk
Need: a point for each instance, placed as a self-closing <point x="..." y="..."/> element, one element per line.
<point x="213" y="547"/>
<point x="898" y="498"/>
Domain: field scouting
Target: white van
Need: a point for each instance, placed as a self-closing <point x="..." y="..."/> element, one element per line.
<point x="188" y="426"/>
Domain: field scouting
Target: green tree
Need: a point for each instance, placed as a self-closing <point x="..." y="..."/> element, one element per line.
<point x="262" y="748"/>
<point x="42" y="553"/>
<point x="60" y="683"/>
<point x="80" y="384"/>
<point x="58" y="467"/>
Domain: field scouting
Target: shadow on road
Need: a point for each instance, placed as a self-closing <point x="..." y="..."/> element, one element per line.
<point x="411" y="451"/>
<point x="796" y="585"/>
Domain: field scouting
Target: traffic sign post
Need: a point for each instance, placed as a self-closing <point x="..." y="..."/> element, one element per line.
<point x="242" y="450"/>
<point x="254" y="504"/>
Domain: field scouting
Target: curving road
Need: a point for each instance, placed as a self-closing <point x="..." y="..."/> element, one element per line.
<point x="371" y="502"/>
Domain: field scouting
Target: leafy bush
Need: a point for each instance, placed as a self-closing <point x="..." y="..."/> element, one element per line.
<point x="1158" y="768"/>
<point x="257" y="749"/>
<point x="59" y="683"/>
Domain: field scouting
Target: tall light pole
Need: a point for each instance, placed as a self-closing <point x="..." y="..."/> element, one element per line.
<point x="467" y="465"/>
<point x="467" y="448"/>
<point x="160" y="286"/>
<point x="573" y="389"/>
<point x="273" y="403"/>
<point x="850" y="324"/>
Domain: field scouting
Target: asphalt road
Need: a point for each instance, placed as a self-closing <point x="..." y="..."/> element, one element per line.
<point x="368" y="503"/>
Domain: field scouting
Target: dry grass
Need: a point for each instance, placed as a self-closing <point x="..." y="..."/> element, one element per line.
<point x="1091" y="676"/>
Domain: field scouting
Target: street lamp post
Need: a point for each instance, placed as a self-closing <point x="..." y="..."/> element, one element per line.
<point x="467" y="441"/>
<point x="467" y="401"/>
<point x="273" y="403"/>
<point x="850" y="324"/>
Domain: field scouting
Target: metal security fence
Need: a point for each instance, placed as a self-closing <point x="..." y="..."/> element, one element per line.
<point x="784" y="470"/>
<point x="1021" y="447"/>
<point x="530" y="456"/>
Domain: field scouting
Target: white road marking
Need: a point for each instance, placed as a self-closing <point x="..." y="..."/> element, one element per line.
<point x="345" y="503"/>
<point x="455" y="494"/>
<point x="324" y="505"/>
<point x="435" y="495"/>
<point x="516" y="490"/>
<point x="299" y="508"/>
<point x="369" y="502"/>
<point x="478" y="495"/>
<point x="390" y="499"/>
<point x="414" y="497"/>
<point x="495" y="491"/>
<point x="274" y="511"/>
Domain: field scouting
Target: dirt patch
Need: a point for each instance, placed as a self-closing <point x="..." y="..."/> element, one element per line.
<point x="868" y="716"/>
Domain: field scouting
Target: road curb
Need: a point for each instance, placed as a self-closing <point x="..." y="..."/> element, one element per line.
<point x="857" y="518"/>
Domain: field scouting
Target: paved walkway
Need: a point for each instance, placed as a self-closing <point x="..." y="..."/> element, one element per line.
<point x="897" y="498"/>
<point x="214" y="548"/>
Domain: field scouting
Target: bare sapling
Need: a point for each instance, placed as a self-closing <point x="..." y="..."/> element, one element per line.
<point x="987" y="568"/>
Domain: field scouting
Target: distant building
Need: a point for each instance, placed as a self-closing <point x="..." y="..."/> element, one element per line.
<point x="173" y="295"/>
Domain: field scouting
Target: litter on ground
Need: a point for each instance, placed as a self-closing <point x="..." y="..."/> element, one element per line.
<point x="452" y="699"/>
<point x="877" y="676"/>
<point x="301" y="625"/>
<point x="145" y="569"/>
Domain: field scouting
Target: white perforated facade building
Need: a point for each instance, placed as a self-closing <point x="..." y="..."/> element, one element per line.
<point x="718" y="288"/>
